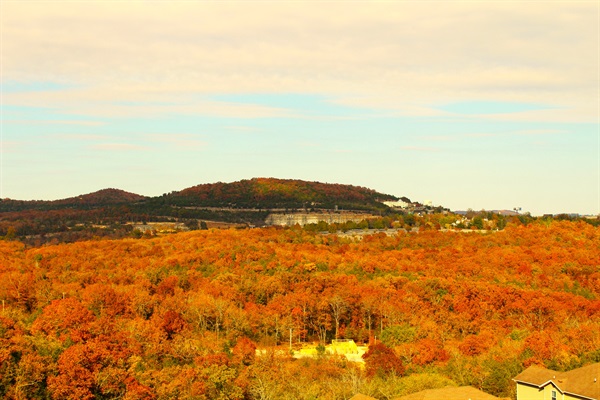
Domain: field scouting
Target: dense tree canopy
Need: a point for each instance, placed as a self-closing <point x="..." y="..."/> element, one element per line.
<point x="180" y="316"/>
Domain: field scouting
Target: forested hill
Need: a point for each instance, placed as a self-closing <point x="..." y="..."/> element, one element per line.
<point x="101" y="198"/>
<point x="272" y="193"/>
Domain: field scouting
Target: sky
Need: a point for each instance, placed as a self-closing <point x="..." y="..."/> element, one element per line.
<point x="468" y="104"/>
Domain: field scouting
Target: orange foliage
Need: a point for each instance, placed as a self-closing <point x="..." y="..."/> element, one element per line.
<point x="183" y="313"/>
<point x="64" y="318"/>
<point x="381" y="360"/>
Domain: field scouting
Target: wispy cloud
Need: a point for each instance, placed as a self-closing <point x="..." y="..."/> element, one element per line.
<point x="541" y="132"/>
<point x="311" y="145"/>
<point x="80" y="136"/>
<point x="117" y="147"/>
<point x="9" y="146"/>
<point x="372" y="54"/>
<point x="241" y="128"/>
<point x="440" y="138"/>
<point x="583" y="113"/>
<point x="419" y="148"/>
<point x="525" y="132"/>
<point x="52" y="122"/>
<point x="479" y="135"/>
<point x="124" y="101"/>
<point x="180" y="140"/>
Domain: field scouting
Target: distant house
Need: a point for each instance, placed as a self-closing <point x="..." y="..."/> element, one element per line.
<point x="397" y="204"/>
<point x="449" y="393"/>
<point x="536" y="383"/>
<point x="303" y="219"/>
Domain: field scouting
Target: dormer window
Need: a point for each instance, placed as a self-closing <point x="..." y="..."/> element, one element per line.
<point x="554" y="395"/>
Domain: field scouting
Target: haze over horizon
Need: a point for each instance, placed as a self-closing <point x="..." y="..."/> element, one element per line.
<point x="482" y="105"/>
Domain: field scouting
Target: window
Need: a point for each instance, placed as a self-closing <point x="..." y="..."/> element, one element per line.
<point x="554" y="395"/>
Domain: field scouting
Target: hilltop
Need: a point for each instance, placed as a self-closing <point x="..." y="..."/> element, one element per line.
<point x="103" y="197"/>
<point x="100" y="198"/>
<point x="272" y="193"/>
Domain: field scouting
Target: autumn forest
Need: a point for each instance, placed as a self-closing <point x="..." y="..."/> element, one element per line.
<point x="209" y="314"/>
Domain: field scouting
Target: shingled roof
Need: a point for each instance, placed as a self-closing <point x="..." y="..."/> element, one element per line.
<point x="360" y="396"/>
<point x="449" y="393"/>
<point x="580" y="381"/>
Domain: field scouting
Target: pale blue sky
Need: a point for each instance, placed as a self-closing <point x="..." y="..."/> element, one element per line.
<point x="459" y="103"/>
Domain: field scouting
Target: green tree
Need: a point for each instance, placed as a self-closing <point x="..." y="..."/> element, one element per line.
<point x="11" y="234"/>
<point x="478" y="222"/>
<point x="395" y="335"/>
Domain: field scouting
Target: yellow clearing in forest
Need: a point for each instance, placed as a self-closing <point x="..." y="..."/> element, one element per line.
<point x="344" y="347"/>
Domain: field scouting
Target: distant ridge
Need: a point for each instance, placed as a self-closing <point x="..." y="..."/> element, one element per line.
<point x="100" y="198"/>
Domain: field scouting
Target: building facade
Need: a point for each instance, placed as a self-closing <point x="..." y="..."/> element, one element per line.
<point x="537" y="383"/>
